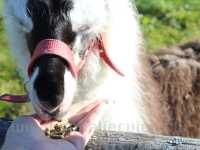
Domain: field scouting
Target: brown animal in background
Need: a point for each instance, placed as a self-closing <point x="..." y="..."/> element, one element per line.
<point x="177" y="70"/>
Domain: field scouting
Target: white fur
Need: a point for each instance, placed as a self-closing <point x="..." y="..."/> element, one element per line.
<point x="97" y="81"/>
<point x="70" y="89"/>
<point x="84" y="8"/>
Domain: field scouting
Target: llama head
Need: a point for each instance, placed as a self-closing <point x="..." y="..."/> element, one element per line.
<point x="75" y="23"/>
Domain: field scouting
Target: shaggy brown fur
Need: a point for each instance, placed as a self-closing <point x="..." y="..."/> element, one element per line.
<point x="154" y="104"/>
<point x="177" y="70"/>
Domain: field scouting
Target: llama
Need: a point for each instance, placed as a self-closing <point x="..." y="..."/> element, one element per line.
<point x="135" y="102"/>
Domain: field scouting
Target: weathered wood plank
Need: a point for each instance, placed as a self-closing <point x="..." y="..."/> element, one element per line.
<point x="127" y="141"/>
<point x="130" y="141"/>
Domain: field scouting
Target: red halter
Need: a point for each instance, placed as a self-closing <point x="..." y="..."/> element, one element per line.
<point x="59" y="48"/>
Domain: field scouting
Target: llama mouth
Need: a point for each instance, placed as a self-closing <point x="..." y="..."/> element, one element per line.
<point x="45" y="114"/>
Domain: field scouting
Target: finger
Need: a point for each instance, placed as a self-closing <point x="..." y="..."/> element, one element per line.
<point x="77" y="139"/>
<point x="83" y="112"/>
<point x="89" y="122"/>
<point x="43" y="125"/>
<point x="77" y="107"/>
<point x="36" y="118"/>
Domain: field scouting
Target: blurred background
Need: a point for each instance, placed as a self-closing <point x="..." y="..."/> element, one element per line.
<point x="164" y="23"/>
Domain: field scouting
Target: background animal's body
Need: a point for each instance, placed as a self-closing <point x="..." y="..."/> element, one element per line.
<point x="134" y="101"/>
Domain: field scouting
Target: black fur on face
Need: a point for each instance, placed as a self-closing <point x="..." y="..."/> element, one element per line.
<point x="50" y="21"/>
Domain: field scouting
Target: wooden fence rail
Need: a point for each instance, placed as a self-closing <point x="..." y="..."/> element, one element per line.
<point x="127" y="141"/>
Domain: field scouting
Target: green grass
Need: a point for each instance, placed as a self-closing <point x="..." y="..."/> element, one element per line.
<point x="9" y="79"/>
<point x="168" y="22"/>
<point x="163" y="22"/>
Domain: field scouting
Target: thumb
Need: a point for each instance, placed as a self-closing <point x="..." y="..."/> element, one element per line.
<point x="77" y="140"/>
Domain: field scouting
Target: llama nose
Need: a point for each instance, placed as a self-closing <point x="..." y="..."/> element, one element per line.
<point x="50" y="92"/>
<point x="50" y="103"/>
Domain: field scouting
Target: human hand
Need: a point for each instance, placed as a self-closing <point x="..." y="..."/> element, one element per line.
<point x="27" y="133"/>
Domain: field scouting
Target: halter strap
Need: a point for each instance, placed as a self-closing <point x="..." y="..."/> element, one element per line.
<point x="59" y="48"/>
<point x="14" y="98"/>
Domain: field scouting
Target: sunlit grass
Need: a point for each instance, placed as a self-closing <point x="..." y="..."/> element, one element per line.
<point x="168" y="22"/>
<point x="9" y="79"/>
